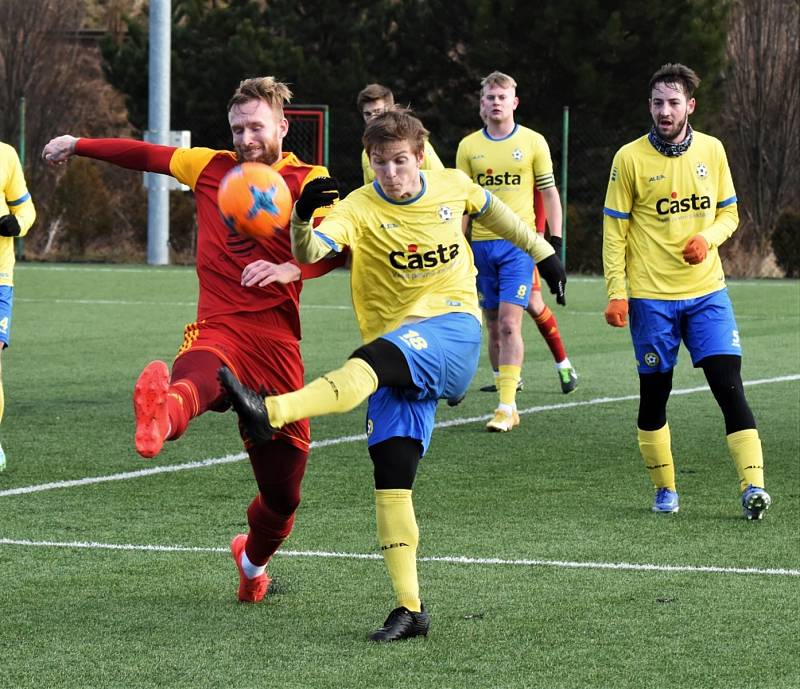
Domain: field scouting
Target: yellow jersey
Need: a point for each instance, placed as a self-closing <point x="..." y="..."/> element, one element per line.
<point x="410" y="258"/>
<point x="654" y="205"/>
<point x="14" y="199"/>
<point x="510" y="168"/>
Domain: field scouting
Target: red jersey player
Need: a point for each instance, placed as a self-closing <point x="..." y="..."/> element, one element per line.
<point x="247" y="313"/>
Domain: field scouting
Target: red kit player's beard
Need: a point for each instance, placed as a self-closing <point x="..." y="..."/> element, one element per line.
<point x="264" y="153"/>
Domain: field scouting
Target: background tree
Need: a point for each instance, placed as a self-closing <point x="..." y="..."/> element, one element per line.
<point x="762" y="114"/>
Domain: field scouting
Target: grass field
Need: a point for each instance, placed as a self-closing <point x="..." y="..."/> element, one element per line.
<point x="541" y="563"/>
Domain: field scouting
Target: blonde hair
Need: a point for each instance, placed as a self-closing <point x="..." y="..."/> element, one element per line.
<point x="275" y="93"/>
<point x="497" y="79"/>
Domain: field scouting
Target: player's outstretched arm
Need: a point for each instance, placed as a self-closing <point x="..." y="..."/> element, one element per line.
<point x="59" y="149"/>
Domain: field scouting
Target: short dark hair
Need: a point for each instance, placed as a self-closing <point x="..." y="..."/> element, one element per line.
<point x="373" y="92"/>
<point x="675" y="74"/>
<point x="394" y="126"/>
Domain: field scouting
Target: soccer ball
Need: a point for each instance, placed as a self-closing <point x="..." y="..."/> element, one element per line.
<point x="254" y="200"/>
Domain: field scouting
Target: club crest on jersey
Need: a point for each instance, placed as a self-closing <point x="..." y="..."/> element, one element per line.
<point x="516" y="154"/>
<point x="445" y="214"/>
<point x="701" y="170"/>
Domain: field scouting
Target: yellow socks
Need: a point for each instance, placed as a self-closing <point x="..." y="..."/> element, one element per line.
<point x="745" y="449"/>
<point x="398" y="536"/>
<point x="507" y="384"/>
<point x="656" y="449"/>
<point x="333" y="393"/>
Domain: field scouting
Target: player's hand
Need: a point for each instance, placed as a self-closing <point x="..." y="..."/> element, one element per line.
<point x="319" y="192"/>
<point x="553" y="273"/>
<point x="695" y="250"/>
<point x="58" y="150"/>
<point x="262" y="273"/>
<point x="556" y="243"/>
<point x="9" y="227"/>
<point x="617" y="313"/>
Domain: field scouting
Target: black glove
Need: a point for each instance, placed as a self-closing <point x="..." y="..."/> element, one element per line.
<point x="319" y="192"/>
<point x="555" y="276"/>
<point x="9" y="227"/>
<point x="556" y="243"/>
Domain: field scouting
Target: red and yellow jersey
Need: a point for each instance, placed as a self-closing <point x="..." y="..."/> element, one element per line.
<point x="654" y="205"/>
<point x="222" y="253"/>
<point x="14" y="199"/>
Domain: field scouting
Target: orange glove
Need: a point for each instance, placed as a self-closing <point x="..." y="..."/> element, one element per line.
<point x="617" y="313"/>
<point x="695" y="250"/>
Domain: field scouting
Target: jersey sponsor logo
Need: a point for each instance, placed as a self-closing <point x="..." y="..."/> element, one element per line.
<point x="412" y="259"/>
<point x="490" y="177"/>
<point x="672" y="205"/>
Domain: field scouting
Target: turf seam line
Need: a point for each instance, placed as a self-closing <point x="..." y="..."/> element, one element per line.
<point x="317" y="444"/>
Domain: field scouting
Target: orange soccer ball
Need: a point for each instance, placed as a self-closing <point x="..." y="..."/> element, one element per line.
<point x="254" y="200"/>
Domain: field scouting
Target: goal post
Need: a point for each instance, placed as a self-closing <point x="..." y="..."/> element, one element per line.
<point x="308" y="133"/>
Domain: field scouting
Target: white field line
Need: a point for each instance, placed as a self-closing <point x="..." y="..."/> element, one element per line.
<point x="227" y="459"/>
<point x="458" y="560"/>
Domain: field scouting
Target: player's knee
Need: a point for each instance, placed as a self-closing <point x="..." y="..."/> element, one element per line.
<point x="395" y="463"/>
<point x="654" y="390"/>
<point x="723" y="373"/>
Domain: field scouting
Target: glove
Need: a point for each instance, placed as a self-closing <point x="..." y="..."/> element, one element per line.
<point x="695" y="250"/>
<point x="555" y="276"/>
<point x="9" y="227"/>
<point x="319" y="192"/>
<point x="617" y="313"/>
<point x="556" y="243"/>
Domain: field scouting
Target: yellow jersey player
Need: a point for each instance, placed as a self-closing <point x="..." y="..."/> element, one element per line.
<point x="373" y="100"/>
<point x="670" y="204"/>
<point x="413" y="290"/>
<point x="17" y="214"/>
<point x="511" y="161"/>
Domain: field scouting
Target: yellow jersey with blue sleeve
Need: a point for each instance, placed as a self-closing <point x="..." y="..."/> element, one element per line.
<point x="430" y="161"/>
<point x="510" y="167"/>
<point x="410" y="258"/>
<point x="654" y="204"/>
<point x="15" y="199"/>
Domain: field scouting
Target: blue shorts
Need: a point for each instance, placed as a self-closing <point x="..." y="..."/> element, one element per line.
<point x="442" y="354"/>
<point x="505" y="273"/>
<point x="6" y="305"/>
<point x="706" y="325"/>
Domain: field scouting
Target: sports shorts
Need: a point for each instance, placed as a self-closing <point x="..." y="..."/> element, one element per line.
<point x="706" y="325"/>
<point x="442" y="355"/>
<point x="260" y="356"/>
<point x="505" y="273"/>
<point x="6" y="306"/>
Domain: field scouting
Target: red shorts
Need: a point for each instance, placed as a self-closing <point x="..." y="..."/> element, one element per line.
<point x="261" y="355"/>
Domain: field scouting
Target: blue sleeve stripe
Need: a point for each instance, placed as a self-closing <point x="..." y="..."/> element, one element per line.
<point x="325" y="238"/>
<point x="726" y="202"/>
<point x="487" y="200"/>
<point x="23" y="199"/>
<point x="616" y="214"/>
